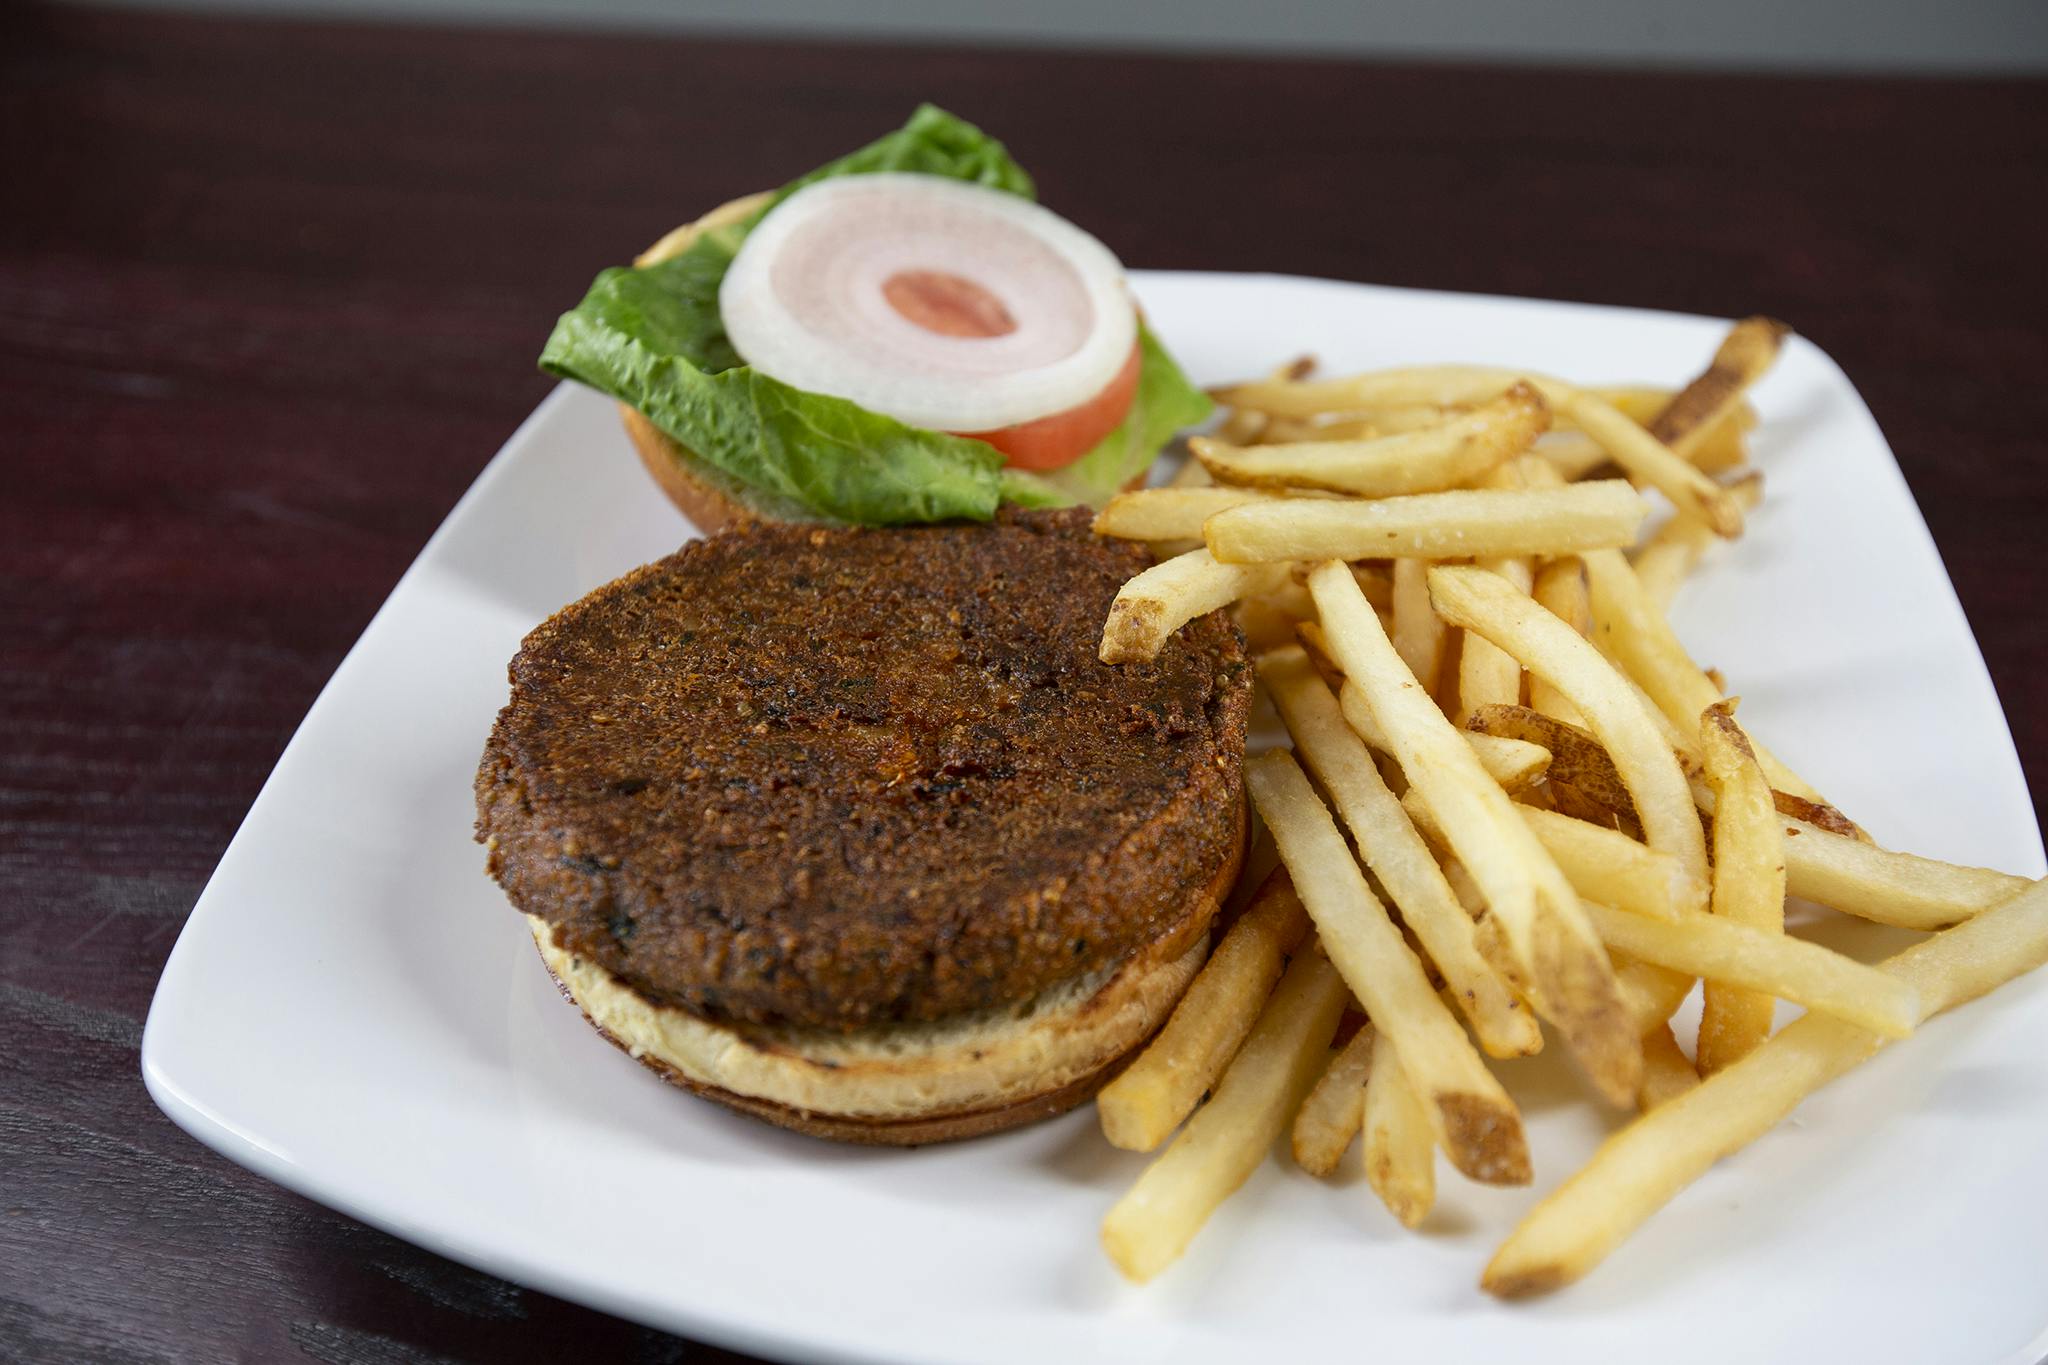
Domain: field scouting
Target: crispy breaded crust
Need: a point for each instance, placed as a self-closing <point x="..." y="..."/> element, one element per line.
<point x="835" y="778"/>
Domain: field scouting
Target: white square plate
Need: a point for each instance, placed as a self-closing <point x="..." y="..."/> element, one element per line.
<point x="354" y="1012"/>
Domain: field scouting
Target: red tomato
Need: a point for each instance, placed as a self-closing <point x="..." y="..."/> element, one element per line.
<point x="1058" y="439"/>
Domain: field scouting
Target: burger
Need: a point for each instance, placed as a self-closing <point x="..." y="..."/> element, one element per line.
<point x="849" y="829"/>
<point x="902" y="336"/>
<point x="836" y="817"/>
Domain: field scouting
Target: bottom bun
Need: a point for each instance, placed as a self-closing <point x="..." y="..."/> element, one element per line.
<point x="907" y="1084"/>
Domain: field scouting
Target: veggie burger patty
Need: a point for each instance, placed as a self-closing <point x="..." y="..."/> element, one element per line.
<point x="841" y="778"/>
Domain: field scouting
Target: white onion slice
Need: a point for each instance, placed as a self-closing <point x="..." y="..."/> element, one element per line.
<point x="824" y="292"/>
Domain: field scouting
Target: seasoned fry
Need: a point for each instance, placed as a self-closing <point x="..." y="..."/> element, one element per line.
<point x="1335" y="1110"/>
<point x="1155" y="1092"/>
<point x="1454" y="452"/>
<point x="1153" y="1223"/>
<point x="1396" y="854"/>
<point x="1469" y="1112"/>
<point x="1749" y="888"/>
<point x="1175" y="513"/>
<point x="1552" y="521"/>
<point x="1675" y="550"/>
<point x="1400" y="1156"/>
<point x="1631" y="630"/>
<point x="1158" y="602"/>
<point x="1667" y="1071"/>
<point x="1763" y="963"/>
<point x="1418" y="631"/>
<point x="1748" y="350"/>
<point x="1546" y="646"/>
<point x="1560" y="589"/>
<point x="1641" y="1168"/>
<point x="1541" y="942"/>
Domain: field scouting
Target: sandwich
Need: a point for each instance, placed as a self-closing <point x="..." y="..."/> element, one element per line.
<point x="849" y="829"/>
<point x="902" y="336"/>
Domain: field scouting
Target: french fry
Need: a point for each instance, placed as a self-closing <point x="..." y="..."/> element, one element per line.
<point x="1158" y="1090"/>
<point x="1487" y="674"/>
<point x="1153" y="1223"/>
<point x="1400" y="1156"/>
<point x="1466" y="521"/>
<point x="1667" y="1071"/>
<point x="1473" y="1118"/>
<point x="1158" y="602"/>
<point x="1192" y="475"/>
<point x="1630" y="630"/>
<point x="1749" y="349"/>
<point x="1648" y="459"/>
<point x="1725" y="445"/>
<point x="1396" y="854"/>
<point x="1641" y="1168"/>
<point x="1670" y="555"/>
<point x="1606" y="865"/>
<point x="1572" y="455"/>
<point x="1516" y="764"/>
<point x="1824" y="865"/>
<point x="1749" y="888"/>
<point x="1640" y="403"/>
<point x="1539" y="939"/>
<point x="1176" y="513"/>
<point x="1418" y="632"/>
<point x="1877" y="884"/>
<point x="1432" y="385"/>
<point x="1766" y="964"/>
<point x="1632" y="447"/>
<point x="1425" y="460"/>
<point x="1291" y="430"/>
<point x="1335" y="1109"/>
<point x="1651" y="993"/>
<point x="1546" y="646"/>
<point x="1560" y="589"/>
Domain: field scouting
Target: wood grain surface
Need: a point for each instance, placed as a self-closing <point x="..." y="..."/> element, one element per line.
<point x="270" y="296"/>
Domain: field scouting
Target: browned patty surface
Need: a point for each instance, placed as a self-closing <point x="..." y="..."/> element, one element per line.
<point x="841" y="777"/>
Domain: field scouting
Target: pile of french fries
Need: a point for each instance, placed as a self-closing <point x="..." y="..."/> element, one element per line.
<point x="1512" y="798"/>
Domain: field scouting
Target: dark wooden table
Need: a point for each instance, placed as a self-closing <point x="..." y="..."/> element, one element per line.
<point x="270" y="297"/>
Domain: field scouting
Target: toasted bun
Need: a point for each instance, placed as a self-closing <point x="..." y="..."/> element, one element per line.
<point x="910" y="1084"/>
<point x="709" y="497"/>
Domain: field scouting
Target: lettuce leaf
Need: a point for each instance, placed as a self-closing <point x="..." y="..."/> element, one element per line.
<point x="652" y="338"/>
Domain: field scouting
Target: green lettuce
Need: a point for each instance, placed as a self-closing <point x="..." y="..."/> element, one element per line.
<point x="652" y="338"/>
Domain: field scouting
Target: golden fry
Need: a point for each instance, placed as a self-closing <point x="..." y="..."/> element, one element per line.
<point x="1541" y="942"/>
<point x="1400" y="1155"/>
<point x="1552" y="521"/>
<point x="1335" y="1109"/>
<point x="1396" y="854"/>
<point x="1158" y="602"/>
<point x="1641" y="1168"/>
<point x="1228" y="1137"/>
<point x="1180" y="1065"/>
<point x="1453" y="452"/>
<point x="1471" y="1115"/>
<point x="1749" y="885"/>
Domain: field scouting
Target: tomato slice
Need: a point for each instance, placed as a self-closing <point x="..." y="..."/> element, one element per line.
<point x="1058" y="439"/>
